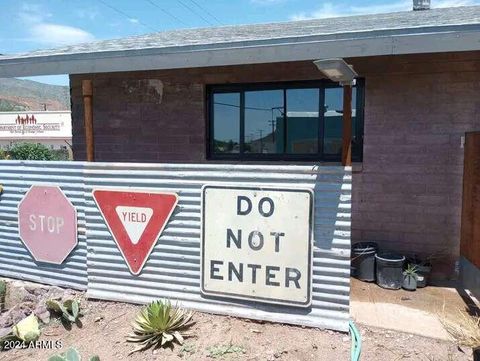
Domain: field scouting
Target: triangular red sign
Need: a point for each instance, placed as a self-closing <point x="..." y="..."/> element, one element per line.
<point x="135" y="219"/>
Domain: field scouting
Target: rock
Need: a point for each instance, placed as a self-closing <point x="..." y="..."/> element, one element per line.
<point x="35" y="289"/>
<point x="29" y="297"/>
<point x="68" y="294"/>
<point x="279" y="354"/>
<point x="5" y="331"/>
<point x="345" y="338"/>
<point x="16" y="314"/>
<point x="15" y="294"/>
<point x="42" y="313"/>
<point x="54" y="293"/>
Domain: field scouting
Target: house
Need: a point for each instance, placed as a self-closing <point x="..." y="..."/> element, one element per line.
<point x="215" y="94"/>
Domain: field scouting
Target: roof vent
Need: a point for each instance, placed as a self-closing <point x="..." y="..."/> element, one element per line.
<point x="421" y="4"/>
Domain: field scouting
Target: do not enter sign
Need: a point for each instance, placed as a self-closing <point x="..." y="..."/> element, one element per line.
<point x="47" y="224"/>
<point x="257" y="244"/>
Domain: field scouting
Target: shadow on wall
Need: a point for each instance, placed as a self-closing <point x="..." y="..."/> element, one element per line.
<point x="404" y="222"/>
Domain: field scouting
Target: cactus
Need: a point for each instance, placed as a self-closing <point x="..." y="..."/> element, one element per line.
<point x="3" y="291"/>
<point x="27" y="329"/>
<point x="69" y="310"/>
<point x="71" y="355"/>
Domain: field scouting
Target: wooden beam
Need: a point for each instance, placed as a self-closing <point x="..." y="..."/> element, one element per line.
<point x="347" y="126"/>
<point x="87" y="91"/>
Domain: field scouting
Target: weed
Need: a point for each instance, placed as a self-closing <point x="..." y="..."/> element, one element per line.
<point x="222" y="350"/>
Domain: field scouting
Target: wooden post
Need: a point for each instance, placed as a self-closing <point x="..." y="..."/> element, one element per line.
<point x="87" y="91"/>
<point x="347" y="126"/>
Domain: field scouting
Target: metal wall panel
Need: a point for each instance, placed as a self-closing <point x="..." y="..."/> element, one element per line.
<point x="173" y="269"/>
<point x="17" y="177"/>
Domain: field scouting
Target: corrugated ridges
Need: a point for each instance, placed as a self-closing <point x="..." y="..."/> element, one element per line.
<point x="15" y="260"/>
<point x="173" y="269"/>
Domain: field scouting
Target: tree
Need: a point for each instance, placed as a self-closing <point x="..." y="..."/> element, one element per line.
<point x="31" y="151"/>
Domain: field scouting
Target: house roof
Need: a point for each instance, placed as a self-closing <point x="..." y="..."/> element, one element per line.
<point x="436" y="30"/>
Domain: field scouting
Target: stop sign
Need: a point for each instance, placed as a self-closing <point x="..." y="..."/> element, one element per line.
<point x="47" y="223"/>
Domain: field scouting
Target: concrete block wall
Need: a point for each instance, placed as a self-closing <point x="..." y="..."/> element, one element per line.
<point x="406" y="193"/>
<point x="159" y="116"/>
<point x="408" y="196"/>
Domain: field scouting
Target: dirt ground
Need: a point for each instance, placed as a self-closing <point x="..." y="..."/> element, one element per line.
<point x="105" y="325"/>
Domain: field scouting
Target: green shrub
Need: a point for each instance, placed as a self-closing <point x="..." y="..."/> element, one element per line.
<point x="3" y="154"/>
<point x="31" y="151"/>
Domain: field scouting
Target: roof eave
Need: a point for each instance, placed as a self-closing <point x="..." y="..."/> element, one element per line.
<point x="197" y="56"/>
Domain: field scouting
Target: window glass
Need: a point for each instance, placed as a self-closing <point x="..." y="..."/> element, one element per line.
<point x="226" y="128"/>
<point x="264" y="114"/>
<point x="284" y="122"/>
<point x="333" y="112"/>
<point x="302" y="121"/>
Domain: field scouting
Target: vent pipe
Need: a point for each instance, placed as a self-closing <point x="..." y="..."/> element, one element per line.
<point x="421" y="5"/>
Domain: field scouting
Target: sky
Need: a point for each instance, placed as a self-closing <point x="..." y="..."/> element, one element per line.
<point x="41" y="24"/>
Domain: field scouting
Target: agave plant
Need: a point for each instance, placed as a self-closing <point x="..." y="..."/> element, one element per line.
<point x="159" y="324"/>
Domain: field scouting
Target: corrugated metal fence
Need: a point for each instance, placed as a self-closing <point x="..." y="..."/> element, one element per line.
<point x="17" y="177"/>
<point x="173" y="269"/>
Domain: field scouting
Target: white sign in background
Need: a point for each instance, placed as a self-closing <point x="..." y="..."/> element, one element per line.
<point x="37" y="125"/>
<point x="257" y="244"/>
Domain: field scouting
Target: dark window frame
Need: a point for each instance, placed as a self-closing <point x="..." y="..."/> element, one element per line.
<point x="241" y="88"/>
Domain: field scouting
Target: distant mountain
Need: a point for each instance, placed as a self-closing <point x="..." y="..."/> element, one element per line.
<point x="21" y="95"/>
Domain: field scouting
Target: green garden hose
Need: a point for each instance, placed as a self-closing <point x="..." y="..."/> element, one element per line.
<point x="356" y="342"/>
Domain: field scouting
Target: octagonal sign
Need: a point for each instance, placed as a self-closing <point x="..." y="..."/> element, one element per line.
<point x="47" y="224"/>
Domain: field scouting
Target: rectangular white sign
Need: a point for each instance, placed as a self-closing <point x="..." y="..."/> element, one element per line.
<point x="36" y="125"/>
<point x="257" y="244"/>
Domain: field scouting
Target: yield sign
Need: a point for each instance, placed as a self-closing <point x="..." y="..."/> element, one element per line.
<point x="135" y="219"/>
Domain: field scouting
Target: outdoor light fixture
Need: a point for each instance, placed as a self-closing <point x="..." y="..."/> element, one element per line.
<point x="336" y="70"/>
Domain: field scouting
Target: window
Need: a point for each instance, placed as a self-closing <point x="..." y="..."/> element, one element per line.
<point x="282" y="121"/>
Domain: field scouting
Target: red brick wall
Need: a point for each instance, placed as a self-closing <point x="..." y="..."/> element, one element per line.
<point x="407" y="195"/>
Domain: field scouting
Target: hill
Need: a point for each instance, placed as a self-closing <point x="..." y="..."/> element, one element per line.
<point x="21" y="95"/>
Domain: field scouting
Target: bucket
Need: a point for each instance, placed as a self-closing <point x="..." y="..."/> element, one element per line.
<point x="389" y="270"/>
<point x="363" y="261"/>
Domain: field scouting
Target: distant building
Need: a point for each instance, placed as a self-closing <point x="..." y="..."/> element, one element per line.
<point x="51" y="128"/>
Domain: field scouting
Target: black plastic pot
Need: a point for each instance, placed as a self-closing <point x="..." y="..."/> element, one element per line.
<point x="476" y="354"/>
<point x="363" y="261"/>
<point x="410" y="282"/>
<point x="389" y="270"/>
<point x="423" y="272"/>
